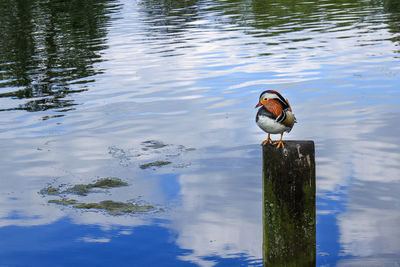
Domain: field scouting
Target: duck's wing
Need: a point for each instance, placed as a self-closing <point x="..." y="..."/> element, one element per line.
<point x="273" y="112"/>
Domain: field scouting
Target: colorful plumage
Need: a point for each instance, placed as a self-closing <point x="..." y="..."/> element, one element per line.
<point x="275" y="116"/>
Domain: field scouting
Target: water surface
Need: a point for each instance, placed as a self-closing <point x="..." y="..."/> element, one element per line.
<point x="84" y="86"/>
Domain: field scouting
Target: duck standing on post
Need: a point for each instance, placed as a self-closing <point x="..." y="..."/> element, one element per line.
<point x="275" y="116"/>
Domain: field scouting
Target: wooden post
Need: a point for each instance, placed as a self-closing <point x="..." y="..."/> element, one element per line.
<point x="289" y="204"/>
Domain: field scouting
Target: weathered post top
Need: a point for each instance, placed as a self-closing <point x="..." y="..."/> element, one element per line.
<point x="294" y="153"/>
<point x="289" y="204"/>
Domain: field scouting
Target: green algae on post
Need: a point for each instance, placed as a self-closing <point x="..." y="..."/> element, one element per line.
<point x="64" y="201"/>
<point x="115" y="207"/>
<point x="157" y="163"/>
<point x="84" y="189"/>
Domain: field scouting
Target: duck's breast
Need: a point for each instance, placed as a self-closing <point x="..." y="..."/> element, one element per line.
<point x="270" y="125"/>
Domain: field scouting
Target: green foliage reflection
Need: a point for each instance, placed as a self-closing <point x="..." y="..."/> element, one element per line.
<point x="47" y="46"/>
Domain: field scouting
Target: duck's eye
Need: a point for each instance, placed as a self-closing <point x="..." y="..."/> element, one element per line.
<point x="265" y="99"/>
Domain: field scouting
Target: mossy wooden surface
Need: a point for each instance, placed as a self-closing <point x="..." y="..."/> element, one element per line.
<point x="289" y="204"/>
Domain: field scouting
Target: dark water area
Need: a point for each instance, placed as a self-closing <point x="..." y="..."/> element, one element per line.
<point x="161" y="95"/>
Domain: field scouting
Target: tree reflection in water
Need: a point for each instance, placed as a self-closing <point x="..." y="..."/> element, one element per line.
<point x="48" y="50"/>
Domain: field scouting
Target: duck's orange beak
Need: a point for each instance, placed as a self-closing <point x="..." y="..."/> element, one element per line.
<point x="259" y="104"/>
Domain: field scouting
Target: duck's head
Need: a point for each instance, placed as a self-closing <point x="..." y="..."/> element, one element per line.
<point x="271" y="95"/>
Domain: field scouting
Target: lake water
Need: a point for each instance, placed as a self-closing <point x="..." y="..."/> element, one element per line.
<point x="96" y="89"/>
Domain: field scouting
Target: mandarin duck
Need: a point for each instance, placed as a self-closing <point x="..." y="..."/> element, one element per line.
<point x="275" y="116"/>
